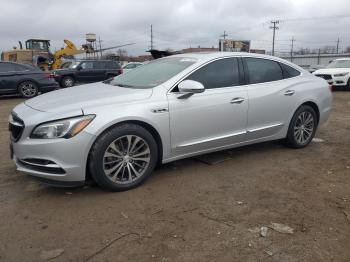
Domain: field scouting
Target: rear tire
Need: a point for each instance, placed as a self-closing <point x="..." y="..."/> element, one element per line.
<point x="123" y="157"/>
<point x="67" y="81"/>
<point x="28" y="89"/>
<point x="302" y="127"/>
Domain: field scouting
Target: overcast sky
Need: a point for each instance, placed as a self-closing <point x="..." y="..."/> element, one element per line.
<point x="177" y="23"/>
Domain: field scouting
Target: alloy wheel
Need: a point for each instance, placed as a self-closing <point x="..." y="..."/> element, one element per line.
<point x="28" y="89"/>
<point x="304" y="127"/>
<point x="126" y="159"/>
<point x="68" y="82"/>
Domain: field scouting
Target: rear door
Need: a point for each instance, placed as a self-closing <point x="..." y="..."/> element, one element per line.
<point x="114" y="68"/>
<point x="100" y="68"/>
<point x="213" y="119"/>
<point x="271" y="96"/>
<point x="8" y="78"/>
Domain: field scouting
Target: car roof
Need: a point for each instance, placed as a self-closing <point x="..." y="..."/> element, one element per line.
<point x="96" y="60"/>
<point x="16" y="63"/>
<point x="213" y="55"/>
<point x="342" y="59"/>
<point x="207" y="56"/>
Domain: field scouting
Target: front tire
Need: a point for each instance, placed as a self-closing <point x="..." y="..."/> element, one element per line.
<point x="28" y="89"/>
<point x="123" y="157"/>
<point x="67" y="81"/>
<point x="302" y="127"/>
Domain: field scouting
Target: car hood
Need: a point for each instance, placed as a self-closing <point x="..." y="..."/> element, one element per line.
<point x="86" y="96"/>
<point x="331" y="70"/>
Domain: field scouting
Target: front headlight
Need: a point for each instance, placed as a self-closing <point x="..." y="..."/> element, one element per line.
<point x="341" y="74"/>
<point x="65" y="128"/>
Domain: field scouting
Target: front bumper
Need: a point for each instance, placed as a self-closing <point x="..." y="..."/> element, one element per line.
<point x="338" y="81"/>
<point x="55" y="160"/>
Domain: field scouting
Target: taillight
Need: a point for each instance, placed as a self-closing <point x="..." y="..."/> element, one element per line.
<point x="49" y="75"/>
<point x="120" y="71"/>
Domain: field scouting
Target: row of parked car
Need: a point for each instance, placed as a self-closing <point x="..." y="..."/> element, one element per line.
<point x="28" y="81"/>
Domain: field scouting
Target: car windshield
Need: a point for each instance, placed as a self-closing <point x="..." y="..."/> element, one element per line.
<point x="339" y="64"/>
<point x="153" y="73"/>
<point x="73" y="65"/>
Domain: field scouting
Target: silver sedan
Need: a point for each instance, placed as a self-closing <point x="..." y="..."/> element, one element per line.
<point x="117" y="131"/>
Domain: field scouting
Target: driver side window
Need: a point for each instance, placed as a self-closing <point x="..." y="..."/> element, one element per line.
<point x="220" y="73"/>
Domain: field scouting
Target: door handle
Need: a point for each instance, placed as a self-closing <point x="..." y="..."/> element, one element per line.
<point x="289" y="93"/>
<point x="237" y="100"/>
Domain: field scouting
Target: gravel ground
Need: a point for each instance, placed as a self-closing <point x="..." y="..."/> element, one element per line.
<point x="191" y="211"/>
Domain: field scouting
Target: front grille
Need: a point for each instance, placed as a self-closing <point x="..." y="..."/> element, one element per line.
<point x="324" y="76"/>
<point x="16" y="127"/>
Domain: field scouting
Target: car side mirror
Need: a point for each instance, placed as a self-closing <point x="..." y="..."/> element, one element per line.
<point x="190" y="87"/>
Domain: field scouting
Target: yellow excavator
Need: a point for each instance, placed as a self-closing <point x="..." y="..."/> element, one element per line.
<point x="69" y="50"/>
<point x="37" y="53"/>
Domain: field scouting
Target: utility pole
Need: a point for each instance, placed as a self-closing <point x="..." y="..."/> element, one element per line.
<point x="338" y="45"/>
<point x="274" y="27"/>
<point x="291" y="49"/>
<point x="99" y="42"/>
<point x="222" y="43"/>
<point x="224" y="35"/>
<point x="152" y="37"/>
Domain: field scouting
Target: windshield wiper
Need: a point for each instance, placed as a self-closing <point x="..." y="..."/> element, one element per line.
<point x="123" y="85"/>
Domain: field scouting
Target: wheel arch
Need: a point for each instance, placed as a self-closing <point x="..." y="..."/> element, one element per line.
<point x="27" y="80"/>
<point x="314" y="106"/>
<point x="70" y="75"/>
<point x="141" y="123"/>
<point x="153" y="132"/>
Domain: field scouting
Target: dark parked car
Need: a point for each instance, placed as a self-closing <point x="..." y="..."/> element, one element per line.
<point x="87" y="71"/>
<point x="25" y="80"/>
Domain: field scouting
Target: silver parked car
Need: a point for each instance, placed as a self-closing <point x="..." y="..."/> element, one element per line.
<point x="180" y="106"/>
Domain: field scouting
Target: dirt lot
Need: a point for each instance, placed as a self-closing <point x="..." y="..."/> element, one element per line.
<point x="191" y="211"/>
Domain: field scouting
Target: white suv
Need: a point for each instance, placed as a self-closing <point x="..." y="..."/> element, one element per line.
<point x="337" y="73"/>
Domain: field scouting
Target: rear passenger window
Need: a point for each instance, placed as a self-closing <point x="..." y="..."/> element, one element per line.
<point x="289" y="71"/>
<point x="263" y="70"/>
<point x="6" y="67"/>
<point x="99" y="65"/>
<point x="113" y="65"/>
<point x="20" y="68"/>
<point x="220" y="73"/>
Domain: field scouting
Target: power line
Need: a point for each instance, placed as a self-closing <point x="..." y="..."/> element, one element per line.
<point x="274" y="27"/>
<point x="315" y="18"/>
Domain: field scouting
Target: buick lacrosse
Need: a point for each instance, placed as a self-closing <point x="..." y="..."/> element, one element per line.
<point x="118" y="130"/>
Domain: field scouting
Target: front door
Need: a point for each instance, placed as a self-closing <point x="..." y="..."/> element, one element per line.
<point x="86" y="72"/>
<point x="213" y="119"/>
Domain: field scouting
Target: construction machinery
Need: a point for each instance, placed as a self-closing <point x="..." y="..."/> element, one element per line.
<point x="36" y="52"/>
<point x="69" y="50"/>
